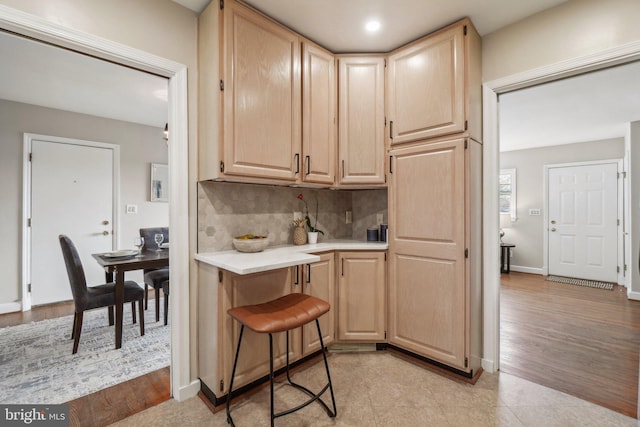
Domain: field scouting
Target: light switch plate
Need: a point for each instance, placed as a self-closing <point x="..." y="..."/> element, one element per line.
<point x="348" y="217"/>
<point x="534" y="212"/>
<point x="379" y="219"/>
<point x="132" y="209"/>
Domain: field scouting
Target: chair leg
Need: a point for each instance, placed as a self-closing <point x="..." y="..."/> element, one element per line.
<point x="140" y="307"/>
<point x="110" y="310"/>
<point x="157" y="304"/>
<point x="273" y="417"/>
<point x="133" y="312"/>
<point x="166" y="310"/>
<point x="233" y="374"/>
<point x="73" y="328"/>
<point x="326" y="366"/>
<point x="77" y="328"/>
<point x="146" y="296"/>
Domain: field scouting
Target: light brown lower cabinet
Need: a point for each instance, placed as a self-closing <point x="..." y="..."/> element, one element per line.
<point x="238" y="290"/>
<point x="361" y="296"/>
<point x="361" y="313"/>
<point x="317" y="279"/>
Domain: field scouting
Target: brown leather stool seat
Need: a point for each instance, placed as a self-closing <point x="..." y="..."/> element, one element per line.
<point x="282" y="315"/>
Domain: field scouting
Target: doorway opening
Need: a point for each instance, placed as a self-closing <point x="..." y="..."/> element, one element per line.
<point x="40" y="29"/>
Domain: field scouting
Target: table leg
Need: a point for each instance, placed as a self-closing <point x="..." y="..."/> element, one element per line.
<point x="119" y="303"/>
<point x="502" y="250"/>
<point x="508" y="260"/>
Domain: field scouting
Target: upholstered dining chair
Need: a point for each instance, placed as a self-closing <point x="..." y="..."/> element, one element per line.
<point x="154" y="278"/>
<point x="87" y="298"/>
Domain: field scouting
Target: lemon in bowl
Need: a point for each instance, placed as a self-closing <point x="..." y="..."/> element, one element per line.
<point x="250" y="243"/>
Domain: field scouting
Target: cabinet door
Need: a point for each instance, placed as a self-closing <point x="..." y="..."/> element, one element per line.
<point x="318" y="281"/>
<point x="253" y="363"/>
<point x="261" y="96"/>
<point x="427" y="285"/>
<point x="318" y="115"/>
<point x="361" y="296"/>
<point x="361" y="120"/>
<point x="426" y="92"/>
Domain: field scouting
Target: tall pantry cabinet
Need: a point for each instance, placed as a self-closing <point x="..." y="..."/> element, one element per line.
<point x="435" y="198"/>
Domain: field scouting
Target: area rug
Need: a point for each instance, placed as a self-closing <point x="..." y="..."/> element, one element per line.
<point x="581" y="282"/>
<point x="37" y="367"/>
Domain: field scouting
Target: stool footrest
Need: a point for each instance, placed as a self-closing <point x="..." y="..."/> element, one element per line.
<point x="314" y="397"/>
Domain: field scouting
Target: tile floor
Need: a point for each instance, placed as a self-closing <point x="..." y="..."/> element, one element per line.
<point x="380" y="389"/>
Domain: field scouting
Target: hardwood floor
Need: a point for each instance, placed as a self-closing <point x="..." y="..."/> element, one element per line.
<point x="578" y="340"/>
<point x="111" y="404"/>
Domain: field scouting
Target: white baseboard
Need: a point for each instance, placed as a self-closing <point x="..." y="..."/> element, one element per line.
<point x="186" y="392"/>
<point x="633" y="295"/>
<point x="10" y="307"/>
<point x="531" y="270"/>
<point x="488" y="365"/>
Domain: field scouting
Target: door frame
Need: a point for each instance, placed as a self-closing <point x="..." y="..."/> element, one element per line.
<point x="621" y="279"/>
<point x="32" y="26"/>
<point x="491" y="164"/>
<point x="26" y="199"/>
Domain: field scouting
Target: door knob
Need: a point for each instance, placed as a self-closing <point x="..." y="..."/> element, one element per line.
<point x="105" y="222"/>
<point x="553" y="221"/>
<point x="553" y="229"/>
<point x="105" y="233"/>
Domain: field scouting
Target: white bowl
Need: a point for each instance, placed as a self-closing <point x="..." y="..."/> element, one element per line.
<point x="251" y="245"/>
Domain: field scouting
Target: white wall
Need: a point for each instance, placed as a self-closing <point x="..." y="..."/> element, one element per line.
<point x="573" y="29"/>
<point x="139" y="146"/>
<point x="527" y="232"/>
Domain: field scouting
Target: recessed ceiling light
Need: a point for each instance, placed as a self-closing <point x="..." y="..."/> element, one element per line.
<point x="372" y="26"/>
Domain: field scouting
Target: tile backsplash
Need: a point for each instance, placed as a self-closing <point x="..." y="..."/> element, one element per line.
<point x="231" y="209"/>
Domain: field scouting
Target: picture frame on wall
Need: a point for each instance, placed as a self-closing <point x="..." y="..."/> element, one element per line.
<point x="159" y="182"/>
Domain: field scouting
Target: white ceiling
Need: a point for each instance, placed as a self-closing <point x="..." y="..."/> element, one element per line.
<point x="594" y="106"/>
<point x="338" y="25"/>
<point x="39" y="74"/>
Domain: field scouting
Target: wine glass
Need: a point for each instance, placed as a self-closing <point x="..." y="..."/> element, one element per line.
<point x="158" y="238"/>
<point x="138" y="242"/>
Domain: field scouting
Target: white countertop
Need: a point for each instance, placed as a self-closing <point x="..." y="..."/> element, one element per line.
<point x="275" y="257"/>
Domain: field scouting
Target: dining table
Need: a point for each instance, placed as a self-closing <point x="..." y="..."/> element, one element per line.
<point x="117" y="266"/>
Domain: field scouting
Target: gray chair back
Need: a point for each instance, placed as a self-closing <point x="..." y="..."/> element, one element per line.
<point x="148" y="233"/>
<point x="75" y="271"/>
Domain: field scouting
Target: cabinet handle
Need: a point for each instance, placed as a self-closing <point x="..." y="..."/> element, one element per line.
<point x="297" y="282"/>
<point x="297" y="157"/>
<point x="390" y="129"/>
<point x="343" y="168"/>
<point x="309" y="273"/>
<point x="342" y="267"/>
<point x="308" y="164"/>
<point x="390" y="164"/>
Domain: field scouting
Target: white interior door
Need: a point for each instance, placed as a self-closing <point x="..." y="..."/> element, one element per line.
<point x="71" y="193"/>
<point x="583" y="215"/>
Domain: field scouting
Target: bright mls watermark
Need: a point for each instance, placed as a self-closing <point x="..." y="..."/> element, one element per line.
<point x="36" y="415"/>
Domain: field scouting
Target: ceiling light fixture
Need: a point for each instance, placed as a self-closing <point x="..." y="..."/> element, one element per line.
<point x="372" y="26"/>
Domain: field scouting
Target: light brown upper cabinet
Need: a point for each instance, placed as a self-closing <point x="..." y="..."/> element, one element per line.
<point x="261" y="96"/>
<point x="361" y="143"/>
<point x="435" y="251"/>
<point x="318" y="115"/>
<point x="434" y="86"/>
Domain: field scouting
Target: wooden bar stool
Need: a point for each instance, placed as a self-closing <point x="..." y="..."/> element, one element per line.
<point x="282" y="315"/>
